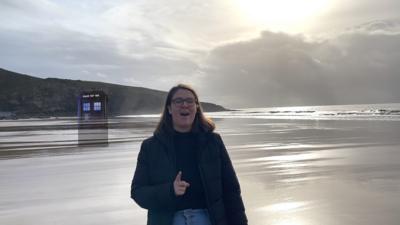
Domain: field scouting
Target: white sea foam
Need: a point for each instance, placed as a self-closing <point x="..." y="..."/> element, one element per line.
<point x="334" y="112"/>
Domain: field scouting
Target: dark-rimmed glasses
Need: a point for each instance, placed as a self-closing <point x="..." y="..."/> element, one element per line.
<point x="181" y="101"/>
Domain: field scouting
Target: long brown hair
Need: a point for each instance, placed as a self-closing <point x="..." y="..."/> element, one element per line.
<point x="200" y="124"/>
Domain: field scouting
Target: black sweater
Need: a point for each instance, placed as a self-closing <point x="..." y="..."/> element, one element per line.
<point x="185" y="149"/>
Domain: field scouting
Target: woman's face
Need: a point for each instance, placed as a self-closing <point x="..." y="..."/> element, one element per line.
<point x="183" y="110"/>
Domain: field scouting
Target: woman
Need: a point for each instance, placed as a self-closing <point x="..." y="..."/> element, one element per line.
<point x="183" y="173"/>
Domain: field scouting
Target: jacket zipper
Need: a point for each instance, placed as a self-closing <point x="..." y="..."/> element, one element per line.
<point x="203" y="181"/>
<point x="206" y="195"/>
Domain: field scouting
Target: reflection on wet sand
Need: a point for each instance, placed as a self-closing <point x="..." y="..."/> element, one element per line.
<point x="292" y="172"/>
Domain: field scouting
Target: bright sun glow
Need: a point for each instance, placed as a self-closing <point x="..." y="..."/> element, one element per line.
<point x="282" y="15"/>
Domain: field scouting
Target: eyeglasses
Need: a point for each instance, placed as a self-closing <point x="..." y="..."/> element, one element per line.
<point x="180" y="101"/>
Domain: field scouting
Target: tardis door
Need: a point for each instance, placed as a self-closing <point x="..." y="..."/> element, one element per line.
<point x="93" y="124"/>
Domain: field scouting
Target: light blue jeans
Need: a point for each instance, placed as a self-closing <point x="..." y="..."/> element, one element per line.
<point x="192" y="217"/>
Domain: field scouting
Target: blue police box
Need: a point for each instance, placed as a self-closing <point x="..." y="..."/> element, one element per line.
<point x="92" y="118"/>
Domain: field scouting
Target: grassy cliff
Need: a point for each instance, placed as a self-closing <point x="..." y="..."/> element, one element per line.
<point x="23" y="96"/>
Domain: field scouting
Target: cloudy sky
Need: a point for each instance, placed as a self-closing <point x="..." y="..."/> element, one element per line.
<point x="238" y="53"/>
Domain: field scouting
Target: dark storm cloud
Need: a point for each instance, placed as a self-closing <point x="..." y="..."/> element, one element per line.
<point x="277" y="69"/>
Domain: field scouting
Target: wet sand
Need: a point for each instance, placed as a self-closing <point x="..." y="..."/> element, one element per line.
<point x="295" y="172"/>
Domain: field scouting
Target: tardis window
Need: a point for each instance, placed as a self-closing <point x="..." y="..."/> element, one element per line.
<point x="97" y="106"/>
<point x="86" y="106"/>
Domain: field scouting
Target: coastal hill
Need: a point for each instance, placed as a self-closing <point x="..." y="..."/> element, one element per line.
<point x="23" y="96"/>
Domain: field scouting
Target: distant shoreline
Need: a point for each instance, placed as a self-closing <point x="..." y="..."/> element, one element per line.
<point x="13" y="116"/>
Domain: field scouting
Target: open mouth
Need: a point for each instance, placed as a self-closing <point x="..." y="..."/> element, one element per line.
<point x="184" y="114"/>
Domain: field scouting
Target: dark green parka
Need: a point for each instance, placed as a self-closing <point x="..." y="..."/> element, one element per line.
<point x="152" y="184"/>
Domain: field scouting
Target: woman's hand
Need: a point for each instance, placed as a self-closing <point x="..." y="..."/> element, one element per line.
<point x="180" y="185"/>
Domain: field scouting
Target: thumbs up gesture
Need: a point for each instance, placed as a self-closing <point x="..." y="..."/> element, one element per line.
<point x="180" y="185"/>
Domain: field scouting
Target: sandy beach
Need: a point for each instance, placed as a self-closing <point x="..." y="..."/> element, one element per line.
<point x="297" y="172"/>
